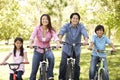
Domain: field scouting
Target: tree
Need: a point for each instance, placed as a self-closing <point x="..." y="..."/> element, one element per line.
<point x="8" y="18"/>
<point x="107" y="12"/>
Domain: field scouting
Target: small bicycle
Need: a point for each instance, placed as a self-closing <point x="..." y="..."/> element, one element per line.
<point x="44" y="63"/>
<point x="100" y="72"/>
<point x="71" y="61"/>
<point x="14" y="69"/>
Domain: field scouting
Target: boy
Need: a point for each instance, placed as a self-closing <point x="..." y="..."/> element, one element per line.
<point x="99" y="42"/>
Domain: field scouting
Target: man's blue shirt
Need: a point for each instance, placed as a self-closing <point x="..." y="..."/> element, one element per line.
<point x="73" y="35"/>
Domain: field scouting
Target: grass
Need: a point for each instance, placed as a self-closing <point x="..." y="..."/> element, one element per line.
<point x="113" y="64"/>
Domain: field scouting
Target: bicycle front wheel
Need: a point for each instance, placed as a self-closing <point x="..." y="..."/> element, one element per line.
<point x="102" y="75"/>
<point x="69" y="72"/>
<point x="44" y="72"/>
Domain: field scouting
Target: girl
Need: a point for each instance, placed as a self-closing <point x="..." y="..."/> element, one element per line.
<point x="19" y="54"/>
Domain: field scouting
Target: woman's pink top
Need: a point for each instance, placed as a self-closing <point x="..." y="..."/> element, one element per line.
<point x="39" y="40"/>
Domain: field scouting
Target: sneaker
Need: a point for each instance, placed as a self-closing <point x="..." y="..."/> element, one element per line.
<point x="51" y="78"/>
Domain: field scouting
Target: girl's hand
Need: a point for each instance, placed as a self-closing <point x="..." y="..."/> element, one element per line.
<point x="3" y="63"/>
<point x="30" y="46"/>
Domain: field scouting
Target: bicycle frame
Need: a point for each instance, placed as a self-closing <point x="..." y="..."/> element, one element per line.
<point x="100" y="68"/>
<point x="11" y="66"/>
<point x="70" y="62"/>
<point x="44" y="63"/>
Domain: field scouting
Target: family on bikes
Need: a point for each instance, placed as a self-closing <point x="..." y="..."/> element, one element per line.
<point x="40" y="40"/>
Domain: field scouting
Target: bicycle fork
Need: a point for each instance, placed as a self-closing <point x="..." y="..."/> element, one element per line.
<point x="100" y="67"/>
<point x="43" y="70"/>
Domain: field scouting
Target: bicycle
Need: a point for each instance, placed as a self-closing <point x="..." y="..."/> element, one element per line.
<point x="14" y="67"/>
<point x="100" y="72"/>
<point x="44" y="63"/>
<point x="71" y="61"/>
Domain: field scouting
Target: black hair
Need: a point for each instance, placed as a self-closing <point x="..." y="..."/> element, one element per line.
<point x="71" y="16"/>
<point x="99" y="27"/>
<point x="21" y="49"/>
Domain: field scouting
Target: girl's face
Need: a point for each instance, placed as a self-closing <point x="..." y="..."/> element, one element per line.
<point x="45" y="21"/>
<point x="18" y="44"/>
<point x="99" y="33"/>
<point x="74" y="20"/>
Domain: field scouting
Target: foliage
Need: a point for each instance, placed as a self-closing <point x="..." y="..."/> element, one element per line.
<point x="107" y="12"/>
<point x="18" y="17"/>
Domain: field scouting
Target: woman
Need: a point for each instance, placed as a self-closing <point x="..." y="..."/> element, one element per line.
<point x="41" y="37"/>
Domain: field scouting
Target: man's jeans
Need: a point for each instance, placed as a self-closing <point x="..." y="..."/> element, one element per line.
<point x="63" y="65"/>
<point x="94" y="61"/>
<point x="37" y="57"/>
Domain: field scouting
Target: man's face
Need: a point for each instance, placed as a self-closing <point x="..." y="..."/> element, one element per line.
<point x="74" y="20"/>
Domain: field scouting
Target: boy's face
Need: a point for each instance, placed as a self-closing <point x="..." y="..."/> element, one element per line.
<point x="99" y="32"/>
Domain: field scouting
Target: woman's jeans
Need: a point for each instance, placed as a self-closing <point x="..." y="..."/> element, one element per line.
<point x="19" y="75"/>
<point x="93" y="68"/>
<point x="37" y="57"/>
<point x="63" y="65"/>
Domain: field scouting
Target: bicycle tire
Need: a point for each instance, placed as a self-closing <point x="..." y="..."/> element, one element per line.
<point x="103" y="75"/>
<point x="69" y="72"/>
<point x="96" y="76"/>
<point x="44" y="72"/>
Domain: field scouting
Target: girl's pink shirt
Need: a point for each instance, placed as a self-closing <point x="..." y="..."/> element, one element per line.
<point x="18" y="59"/>
<point x="36" y="36"/>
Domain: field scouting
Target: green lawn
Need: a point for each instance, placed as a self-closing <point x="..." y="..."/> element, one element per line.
<point x="113" y="63"/>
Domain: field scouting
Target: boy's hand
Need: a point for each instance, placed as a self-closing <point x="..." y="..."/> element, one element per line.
<point x="114" y="50"/>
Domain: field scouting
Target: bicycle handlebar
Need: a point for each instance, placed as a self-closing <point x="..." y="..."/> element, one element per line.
<point x="11" y="65"/>
<point x="15" y="63"/>
<point x="46" y="48"/>
<point x="74" y="44"/>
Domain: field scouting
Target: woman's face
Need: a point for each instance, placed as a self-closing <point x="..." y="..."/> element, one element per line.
<point x="99" y="33"/>
<point x="45" y="21"/>
<point x="74" y="20"/>
<point x="18" y="44"/>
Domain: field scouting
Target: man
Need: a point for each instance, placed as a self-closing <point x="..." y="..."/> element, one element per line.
<point x="72" y="32"/>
